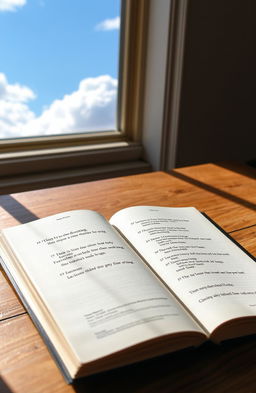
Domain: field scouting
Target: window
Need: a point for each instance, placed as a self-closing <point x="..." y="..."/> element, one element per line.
<point x="59" y="67"/>
<point x="36" y="162"/>
<point x="40" y="161"/>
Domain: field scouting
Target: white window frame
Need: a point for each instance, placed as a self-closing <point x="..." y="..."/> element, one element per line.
<point x="167" y="29"/>
<point x="144" y="140"/>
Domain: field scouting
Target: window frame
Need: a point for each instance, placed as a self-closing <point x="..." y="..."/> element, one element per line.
<point x="22" y="159"/>
<point x="134" y="16"/>
<point x="150" y="79"/>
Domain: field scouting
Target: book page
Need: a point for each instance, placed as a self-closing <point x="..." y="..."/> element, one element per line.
<point x="213" y="277"/>
<point x="99" y="292"/>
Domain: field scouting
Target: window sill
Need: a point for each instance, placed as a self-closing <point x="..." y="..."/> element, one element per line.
<point x="28" y="170"/>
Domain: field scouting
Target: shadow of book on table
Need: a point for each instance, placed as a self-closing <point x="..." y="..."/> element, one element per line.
<point x="190" y="371"/>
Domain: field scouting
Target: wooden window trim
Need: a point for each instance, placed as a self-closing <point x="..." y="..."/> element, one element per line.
<point x="133" y="42"/>
<point x="43" y="155"/>
<point x="133" y="37"/>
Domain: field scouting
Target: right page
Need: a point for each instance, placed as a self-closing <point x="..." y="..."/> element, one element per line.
<point x="211" y="275"/>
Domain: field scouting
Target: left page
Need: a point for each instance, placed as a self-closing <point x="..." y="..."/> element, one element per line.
<point x="97" y="290"/>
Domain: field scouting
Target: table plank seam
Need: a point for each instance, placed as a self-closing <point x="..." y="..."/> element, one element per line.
<point x="13" y="316"/>
<point x="241" y="229"/>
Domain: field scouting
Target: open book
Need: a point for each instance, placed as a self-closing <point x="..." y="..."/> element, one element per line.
<point x="150" y="281"/>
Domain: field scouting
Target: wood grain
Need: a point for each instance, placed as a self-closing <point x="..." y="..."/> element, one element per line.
<point x="227" y="196"/>
<point x="231" y="199"/>
<point x="247" y="239"/>
<point x="25" y="364"/>
<point x="10" y="305"/>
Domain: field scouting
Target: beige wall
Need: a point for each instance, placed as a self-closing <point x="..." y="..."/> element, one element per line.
<point x="218" y="99"/>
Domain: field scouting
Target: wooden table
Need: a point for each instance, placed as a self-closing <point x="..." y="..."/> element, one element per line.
<point x="226" y="193"/>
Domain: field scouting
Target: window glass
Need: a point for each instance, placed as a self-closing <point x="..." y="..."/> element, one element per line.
<point x="58" y="66"/>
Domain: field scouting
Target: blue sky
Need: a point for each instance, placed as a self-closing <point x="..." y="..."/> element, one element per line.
<point x="50" y="46"/>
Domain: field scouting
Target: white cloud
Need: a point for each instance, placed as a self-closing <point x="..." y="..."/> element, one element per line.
<point x="14" y="111"/>
<point x="11" y="5"/>
<point x="109" y="24"/>
<point x="90" y="108"/>
<point x="14" y="93"/>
